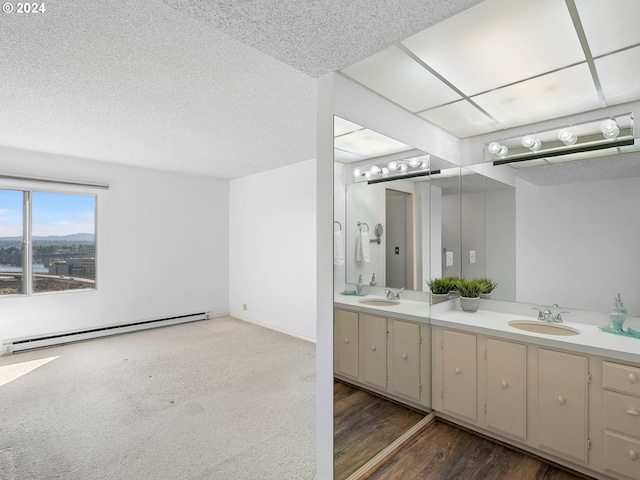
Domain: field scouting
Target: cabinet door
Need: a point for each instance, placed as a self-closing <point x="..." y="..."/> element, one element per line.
<point x="506" y="384"/>
<point x="459" y="393"/>
<point x="562" y="403"/>
<point x="405" y="359"/>
<point x="374" y="350"/>
<point x="346" y="343"/>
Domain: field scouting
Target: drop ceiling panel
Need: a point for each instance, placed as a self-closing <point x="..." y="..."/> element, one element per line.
<point x="499" y="42"/>
<point x="369" y="143"/>
<point x="557" y="94"/>
<point x="342" y="126"/>
<point x="609" y="25"/>
<point x="346" y="157"/>
<point x="461" y="119"/>
<point x="619" y="74"/>
<point x="401" y="79"/>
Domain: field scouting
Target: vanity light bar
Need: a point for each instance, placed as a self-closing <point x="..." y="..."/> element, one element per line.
<point x="601" y="134"/>
<point x="393" y="169"/>
<point x="402" y="177"/>
<point x="556" y="152"/>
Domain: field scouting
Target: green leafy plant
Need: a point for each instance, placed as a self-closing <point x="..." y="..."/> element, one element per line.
<point x="471" y="288"/>
<point x="441" y="285"/>
<point x="487" y="285"/>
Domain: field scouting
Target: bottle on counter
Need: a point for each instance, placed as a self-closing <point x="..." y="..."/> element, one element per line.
<point x="359" y="285"/>
<point x="373" y="282"/>
<point x="618" y="314"/>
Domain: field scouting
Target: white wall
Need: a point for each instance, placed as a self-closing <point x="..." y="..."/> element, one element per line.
<point x="162" y="247"/>
<point x="272" y="256"/>
<point x="577" y="244"/>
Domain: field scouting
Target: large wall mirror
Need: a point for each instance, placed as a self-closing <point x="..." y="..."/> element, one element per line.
<point x="449" y="221"/>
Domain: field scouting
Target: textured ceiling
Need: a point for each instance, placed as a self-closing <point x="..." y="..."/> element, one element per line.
<point x="221" y="88"/>
<point x="321" y="36"/>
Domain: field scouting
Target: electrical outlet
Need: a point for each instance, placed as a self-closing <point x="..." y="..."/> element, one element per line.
<point x="244" y="307"/>
<point x="472" y="256"/>
<point x="449" y="259"/>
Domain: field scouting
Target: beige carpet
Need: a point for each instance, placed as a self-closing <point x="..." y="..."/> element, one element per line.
<point x="216" y="399"/>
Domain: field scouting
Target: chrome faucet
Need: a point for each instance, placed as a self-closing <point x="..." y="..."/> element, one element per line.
<point x="547" y="315"/>
<point x="393" y="296"/>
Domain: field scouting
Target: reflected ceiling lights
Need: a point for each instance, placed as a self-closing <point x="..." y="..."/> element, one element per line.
<point x="393" y="170"/>
<point x="610" y="133"/>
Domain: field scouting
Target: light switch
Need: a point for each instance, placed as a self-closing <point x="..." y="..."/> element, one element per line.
<point x="449" y="259"/>
<point x="472" y="256"/>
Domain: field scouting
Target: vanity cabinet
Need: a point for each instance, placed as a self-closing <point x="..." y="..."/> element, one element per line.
<point x="533" y="397"/>
<point x="459" y="374"/>
<point x="506" y="387"/>
<point x="346" y="349"/>
<point x="389" y="356"/>
<point x="621" y="413"/>
<point x="404" y="359"/>
<point x="374" y="351"/>
<point x="563" y="403"/>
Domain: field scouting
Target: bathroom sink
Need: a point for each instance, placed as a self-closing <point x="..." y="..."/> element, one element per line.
<point x="543" y="327"/>
<point x="379" y="302"/>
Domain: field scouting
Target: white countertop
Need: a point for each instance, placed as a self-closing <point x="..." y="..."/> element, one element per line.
<point x="492" y="319"/>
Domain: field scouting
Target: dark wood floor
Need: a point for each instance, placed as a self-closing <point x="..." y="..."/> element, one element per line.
<point x="365" y="424"/>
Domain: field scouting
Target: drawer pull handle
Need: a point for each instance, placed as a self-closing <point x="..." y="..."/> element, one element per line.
<point x="373" y="348"/>
<point x="504" y="384"/>
<point x="457" y="371"/>
<point x="633" y="412"/>
<point x="633" y="455"/>
<point x="632" y="378"/>
<point x="405" y="356"/>
<point x="346" y="340"/>
<point x="561" y="400"/>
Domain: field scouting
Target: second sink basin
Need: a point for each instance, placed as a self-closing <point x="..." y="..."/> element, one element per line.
<point x="543" y="327"/>
<point x="379" y="302"/>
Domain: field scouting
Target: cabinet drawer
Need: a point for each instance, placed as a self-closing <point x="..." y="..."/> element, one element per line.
<point x="622" y="455"/>
<point x="622" y="413"/>
<point x="621" y="377"/>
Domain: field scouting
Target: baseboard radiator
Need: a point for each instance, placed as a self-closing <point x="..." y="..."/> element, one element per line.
<point x="19" y="344"/>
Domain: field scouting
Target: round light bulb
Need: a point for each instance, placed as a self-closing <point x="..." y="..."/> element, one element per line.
<point x="493" y="147"/>
<point x="403" y="167"/>
<point x="424" y="165"/>
<point x="375" y="170"/>
<point x="414" y="162"/>
<point x="503" y="151"/>
<point x="537" y="144"/>
<point x="357" y="172"/>
<point x="393" y="166"/>
<point x="367" y="174"/>
<point x="567" y="137"/>
<point x="385" y="171"/>
<point x="609" y="129"/>
<point x="528" y="141"/>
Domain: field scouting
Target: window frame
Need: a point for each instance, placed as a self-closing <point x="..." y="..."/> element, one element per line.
<point x="27" y="245"/>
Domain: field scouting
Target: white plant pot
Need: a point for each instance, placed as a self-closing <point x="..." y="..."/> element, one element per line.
<point x="469" y="304"/>
<point x="439" y="297"/>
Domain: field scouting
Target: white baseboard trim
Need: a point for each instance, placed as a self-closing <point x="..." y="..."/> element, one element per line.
<point x="271" y="327"/>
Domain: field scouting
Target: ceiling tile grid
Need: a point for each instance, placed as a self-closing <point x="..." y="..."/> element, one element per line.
<point x="514" y="63"/>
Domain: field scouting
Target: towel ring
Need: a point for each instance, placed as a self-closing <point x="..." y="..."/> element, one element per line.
<point x="339" y="224"/>
<point x="362" y="223"/>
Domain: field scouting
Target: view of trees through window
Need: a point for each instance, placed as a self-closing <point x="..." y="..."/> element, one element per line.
<point x="57" y="247"/>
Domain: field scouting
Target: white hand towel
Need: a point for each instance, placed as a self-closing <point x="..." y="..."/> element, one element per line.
<point x="338" y="248"/>
<point x="363" y="253"/>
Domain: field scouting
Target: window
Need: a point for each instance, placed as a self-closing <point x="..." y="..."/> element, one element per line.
<point x="51" y="236"/>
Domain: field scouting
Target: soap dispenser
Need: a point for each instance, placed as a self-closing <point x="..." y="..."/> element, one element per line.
<point x="373" y="282"/>
<point x="359" y="285"/>
<point x="618" y="314"/>
<point x="623" y="309"/>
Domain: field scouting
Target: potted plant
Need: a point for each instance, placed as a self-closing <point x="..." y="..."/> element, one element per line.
<point x="470" y="290"/>
<point x="487" y="287"/>
<point x="454" y="292"/>
<point x="440" y="288"/>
